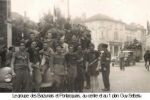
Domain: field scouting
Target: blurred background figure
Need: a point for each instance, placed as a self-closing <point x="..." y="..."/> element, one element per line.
<point x="121" y="60"/>
<point x="147" y="59"/>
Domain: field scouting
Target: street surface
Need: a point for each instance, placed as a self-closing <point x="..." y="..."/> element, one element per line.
<point x="133" y="79"/>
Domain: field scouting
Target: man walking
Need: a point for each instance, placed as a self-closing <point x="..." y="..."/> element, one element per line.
<point x="105" y="65"/>
<point x="121" y="60"/>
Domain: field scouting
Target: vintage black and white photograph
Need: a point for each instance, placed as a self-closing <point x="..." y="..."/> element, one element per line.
<point x="75" y="46"/>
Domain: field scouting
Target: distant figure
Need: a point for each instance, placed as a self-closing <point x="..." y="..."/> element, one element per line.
<point x="121" y="60"/>
<point x="147" y="59"/>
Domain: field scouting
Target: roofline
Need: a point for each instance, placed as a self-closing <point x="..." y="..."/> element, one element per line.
<point x="111" y="20"/>
<point x="93" y="20"/>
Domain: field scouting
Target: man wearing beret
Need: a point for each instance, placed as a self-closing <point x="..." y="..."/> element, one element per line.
<point x="105" y="65"/>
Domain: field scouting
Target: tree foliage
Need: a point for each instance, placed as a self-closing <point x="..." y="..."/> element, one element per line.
<point x="21" y="25"/>
<point x="61" y="26"/>
<point x="57" y="25"/>
<point x="135" y="44"/>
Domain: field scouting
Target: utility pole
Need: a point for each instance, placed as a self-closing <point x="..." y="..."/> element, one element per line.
<point x="68" y="9"/>
<point x="9" y="24"/>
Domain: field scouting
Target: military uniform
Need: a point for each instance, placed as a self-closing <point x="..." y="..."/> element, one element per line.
<point x="85" y="43"/>
<point x="46" y="62"/>
<point x="79" y="82"/>
<point x="71" y="59"/>
<point x="105" y="65"/>
<point x="59" y="70"/>
<point x="22" y="80"/>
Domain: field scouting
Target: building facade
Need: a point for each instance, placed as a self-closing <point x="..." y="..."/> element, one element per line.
<point x="134" y="31"/>
<point x="113" y="32"/>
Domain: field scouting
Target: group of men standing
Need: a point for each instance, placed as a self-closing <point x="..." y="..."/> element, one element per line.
<point x="71" y="64"/>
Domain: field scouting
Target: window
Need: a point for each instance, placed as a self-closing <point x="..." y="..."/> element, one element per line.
<point x="116" y="36"/>
<point x="102" y="35"/>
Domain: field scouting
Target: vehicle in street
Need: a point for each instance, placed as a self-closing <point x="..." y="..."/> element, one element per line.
<point x="129" y="58"/>
<point x="6" y="80"/>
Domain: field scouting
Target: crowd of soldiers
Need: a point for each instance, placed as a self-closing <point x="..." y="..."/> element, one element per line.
<point x="71" y="63"/>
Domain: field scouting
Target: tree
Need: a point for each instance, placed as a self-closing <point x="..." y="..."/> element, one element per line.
<point x="21" y="25"/>
<point x="59" y="25"/>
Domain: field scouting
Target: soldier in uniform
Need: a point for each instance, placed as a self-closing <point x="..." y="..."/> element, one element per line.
<point x="79" y="82"/>
<point x="91" y="67"/>
<point x="105" y="66"/>
<point x="21" y="70"/>
<point x="71" y="58"/>
<point x="46" y="59"/>
<point x="59" y="69"/>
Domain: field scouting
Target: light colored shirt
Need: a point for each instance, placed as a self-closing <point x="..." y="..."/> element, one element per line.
<point x="65" y="48"/>
<point x="121" y="55"/>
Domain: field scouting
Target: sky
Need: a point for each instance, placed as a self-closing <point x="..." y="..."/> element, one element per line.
<point x="128" y="11"/>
